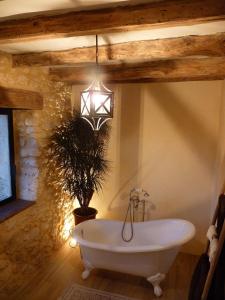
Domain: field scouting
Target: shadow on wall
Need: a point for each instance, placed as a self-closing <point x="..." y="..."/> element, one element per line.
<point x="194" y="132"/>
<point x="187" y="180"/>
<point x="157" y="123"/>
<point x="166" y="142"/>
<point x="129" y="144"/>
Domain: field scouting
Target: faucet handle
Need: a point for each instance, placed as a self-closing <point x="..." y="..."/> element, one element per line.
<point x="138" y="193"/>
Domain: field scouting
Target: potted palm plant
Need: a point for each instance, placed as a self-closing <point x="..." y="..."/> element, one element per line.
<point x="77" y="153"/>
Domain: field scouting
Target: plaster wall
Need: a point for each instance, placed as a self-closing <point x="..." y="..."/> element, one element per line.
<point x="166" y="138"/>
<point x="220" y="161"/>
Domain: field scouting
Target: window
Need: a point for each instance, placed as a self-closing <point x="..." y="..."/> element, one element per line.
<point x="7" y="166"/>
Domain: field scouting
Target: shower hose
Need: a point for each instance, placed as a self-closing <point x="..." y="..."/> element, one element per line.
<point x="130" y="210"/>
<point x="133" y="204"/>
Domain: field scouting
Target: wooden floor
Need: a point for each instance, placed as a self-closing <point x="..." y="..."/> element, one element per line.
<point x="65" y="268"/>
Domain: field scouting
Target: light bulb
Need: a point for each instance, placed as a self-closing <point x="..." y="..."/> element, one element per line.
<point x="73" y="243"/>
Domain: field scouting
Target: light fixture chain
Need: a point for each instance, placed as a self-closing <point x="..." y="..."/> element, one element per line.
<point x="97" y="50"/>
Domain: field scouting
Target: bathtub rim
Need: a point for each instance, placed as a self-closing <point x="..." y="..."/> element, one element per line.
<point x="133" y="249"/>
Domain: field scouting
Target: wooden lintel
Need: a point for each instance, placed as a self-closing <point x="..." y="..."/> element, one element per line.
<point x="20" y="99"/>
<point x="156" y="71"/>
<point x="118" y="19"/>
<point x="205" y="45"/>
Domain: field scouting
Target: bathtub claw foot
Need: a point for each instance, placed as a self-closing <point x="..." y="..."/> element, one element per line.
<point x="85" y="274"/>
<point x="155" y="281"/>
<point x="88" y="267"/>
<point x="157" y="291"/>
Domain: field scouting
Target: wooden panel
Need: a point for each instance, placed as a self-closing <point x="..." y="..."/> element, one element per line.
<point x="208" y="45"/>
<point x="156" y="71"/>
<point x="20" y="99"/>
<point x="118" y="19"/>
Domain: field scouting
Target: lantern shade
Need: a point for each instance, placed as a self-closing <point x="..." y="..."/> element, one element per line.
<point x="96" y="104"/>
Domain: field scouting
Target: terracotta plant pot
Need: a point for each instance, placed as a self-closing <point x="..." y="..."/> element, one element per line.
<point x="81" y="214"/>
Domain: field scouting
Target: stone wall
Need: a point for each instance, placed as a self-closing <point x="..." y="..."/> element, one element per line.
<point x="30" y="237"/>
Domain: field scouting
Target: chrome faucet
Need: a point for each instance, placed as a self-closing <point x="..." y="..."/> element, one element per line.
<point x="137" y="197"/>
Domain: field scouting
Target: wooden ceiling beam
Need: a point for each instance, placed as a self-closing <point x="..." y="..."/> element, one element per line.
<point x="118" y="19"/>
<point x="20" y="99"/>
<point x="206" y="45"/>
<point x="155" y="71"/>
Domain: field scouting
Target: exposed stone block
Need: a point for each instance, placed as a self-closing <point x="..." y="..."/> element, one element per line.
<point x="29" y="238"/>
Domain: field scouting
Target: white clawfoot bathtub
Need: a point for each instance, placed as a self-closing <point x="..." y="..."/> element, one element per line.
<point x="150" y="253"/>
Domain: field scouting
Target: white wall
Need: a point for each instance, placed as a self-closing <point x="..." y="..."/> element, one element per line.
<point x="166" y="138"/>
<point x="220" y="161"/>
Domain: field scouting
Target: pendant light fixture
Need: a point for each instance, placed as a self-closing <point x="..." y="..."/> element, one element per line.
<point x="96" y="101"/>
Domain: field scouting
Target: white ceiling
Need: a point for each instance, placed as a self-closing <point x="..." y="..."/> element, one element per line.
<point x="9" y="8"/>
<point x="14" y="9"/>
